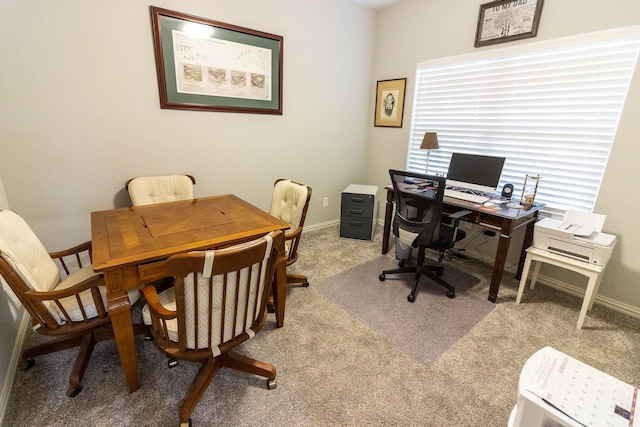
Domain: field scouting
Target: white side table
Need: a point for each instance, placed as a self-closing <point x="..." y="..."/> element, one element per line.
<point x="593" y="272"/>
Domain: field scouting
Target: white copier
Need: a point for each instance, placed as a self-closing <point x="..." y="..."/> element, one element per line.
<point x="556" y="390"/>
<point x="577" y="235"/>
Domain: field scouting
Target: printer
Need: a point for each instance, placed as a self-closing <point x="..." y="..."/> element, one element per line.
<point x="577" y="235"/>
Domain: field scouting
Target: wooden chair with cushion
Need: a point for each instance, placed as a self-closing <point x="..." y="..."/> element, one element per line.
<point x="289" y="203"/>
<point x="148" y="190"/>
<point x="63" y="302"/>
<point x="218" y="301"/>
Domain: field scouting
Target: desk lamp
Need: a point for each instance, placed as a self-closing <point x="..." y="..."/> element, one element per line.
<point x="429" y="142"/>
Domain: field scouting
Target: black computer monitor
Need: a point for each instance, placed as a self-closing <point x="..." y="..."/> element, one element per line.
<point x="475" y="172"/>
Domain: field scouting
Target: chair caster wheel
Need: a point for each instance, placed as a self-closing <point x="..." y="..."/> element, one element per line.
<point x="382" y="277"/>
<point x="401" y="264"/>
<point x="271" y="309"/>
<point x="451" y="294"/>
<point x="305" y="285"/>
<point x="74" y="391"/>
<point x="172" y="363"/>
<point x="25" y="365"/>
<point x="271" y="384"/>
<point x="411" y="298"/>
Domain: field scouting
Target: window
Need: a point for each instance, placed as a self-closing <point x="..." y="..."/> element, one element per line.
<point x="551" y="108"/>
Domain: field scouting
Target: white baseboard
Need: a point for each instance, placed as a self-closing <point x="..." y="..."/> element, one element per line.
<point x="579" y="292"/>
<point x="321" y="225"/>
<point x="573" y="290"/>
<point x="576" y="291"/>
<point x="13" y="365"/>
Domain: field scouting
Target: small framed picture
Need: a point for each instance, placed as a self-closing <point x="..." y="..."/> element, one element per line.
<point x="390" y="103"/>
<point x="506" y="20"/>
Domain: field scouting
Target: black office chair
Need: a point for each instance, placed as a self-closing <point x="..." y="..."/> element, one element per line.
<point x="419" y="215"/>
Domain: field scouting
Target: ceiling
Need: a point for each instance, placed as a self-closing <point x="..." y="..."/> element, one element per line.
<point x="375" y="4"/>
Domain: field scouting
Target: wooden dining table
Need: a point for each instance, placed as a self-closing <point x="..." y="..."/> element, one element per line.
<point x="130" y="244"/>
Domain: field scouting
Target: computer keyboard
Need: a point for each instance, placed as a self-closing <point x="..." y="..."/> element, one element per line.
<point x="473" y="198"/>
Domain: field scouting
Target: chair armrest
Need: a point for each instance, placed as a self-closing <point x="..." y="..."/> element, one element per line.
<point x="455" y="217"/>
<point x="86" y="246"/>
<point x="294" y="234"/>
<point x="75" y="252"/>
<point x="151" y="295"/>
<point x="56" y="296"/>
<point x="90" y="283"/>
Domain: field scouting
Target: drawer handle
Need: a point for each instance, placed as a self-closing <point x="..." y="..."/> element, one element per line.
<point x="355" y="222"/>
<point x="357" y="211"/>
<point x="357" y="199"/>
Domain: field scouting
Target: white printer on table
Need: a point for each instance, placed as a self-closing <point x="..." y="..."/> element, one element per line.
<point x="578" y="235"/>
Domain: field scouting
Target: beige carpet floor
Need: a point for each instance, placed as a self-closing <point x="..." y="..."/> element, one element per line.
<point x="423" y="329"/>
<point x="334" y="370"/>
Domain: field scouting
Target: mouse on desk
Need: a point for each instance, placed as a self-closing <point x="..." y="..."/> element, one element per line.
<point x="488" y="204"/>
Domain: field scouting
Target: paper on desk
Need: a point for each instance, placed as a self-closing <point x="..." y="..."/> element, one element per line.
<point x="588" y="222"/>
<point x="584" y="393"/>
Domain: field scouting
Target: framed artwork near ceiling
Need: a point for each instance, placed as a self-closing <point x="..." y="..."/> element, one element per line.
<point x="506" y="20"/>
<point x="207" y="65"/>
<point x="390" y="103"/>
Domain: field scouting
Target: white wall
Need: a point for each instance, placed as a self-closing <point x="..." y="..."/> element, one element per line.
<point x="417" y="30"/>
<point x="11" y="313"/>
<point x="81" y="115"/>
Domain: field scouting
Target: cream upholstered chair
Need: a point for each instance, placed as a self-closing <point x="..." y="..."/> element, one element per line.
<point x="147" y="190"/>
<point x="289" y="203"/>
<point x="218" y="301"/>
<point x="62" y="302"/>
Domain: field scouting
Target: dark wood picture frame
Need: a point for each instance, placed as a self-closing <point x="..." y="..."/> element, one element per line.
<point x="207" y="65"/>
<point x="506" y="20"/>
<point x="389" y="107"/>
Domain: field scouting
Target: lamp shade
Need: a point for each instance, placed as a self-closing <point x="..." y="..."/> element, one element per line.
<point x="430" y="141"/>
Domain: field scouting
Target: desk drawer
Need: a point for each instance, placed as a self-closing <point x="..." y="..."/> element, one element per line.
<point x="356" y="228"/>
<point x="358" y="205"/>
<point x="357" y="212"/>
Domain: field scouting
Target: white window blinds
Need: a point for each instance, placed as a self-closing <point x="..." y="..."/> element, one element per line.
<point x="551" y="108"/>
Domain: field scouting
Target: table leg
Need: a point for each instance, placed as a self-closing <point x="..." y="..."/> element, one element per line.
<point x="388" y="213"/>
<point x="498" y="266"/>
<point x="119" y="309"/>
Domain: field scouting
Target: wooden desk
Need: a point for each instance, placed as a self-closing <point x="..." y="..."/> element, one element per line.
<point x="129" y="245"/>
<point x="504" y="220"/>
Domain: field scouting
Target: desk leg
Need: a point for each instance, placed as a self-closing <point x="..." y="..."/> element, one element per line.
<point x="280" y="289"/>
<point x="388" y="213"/>
<point x="498" y="266"/>
<point x="120" y="314"/>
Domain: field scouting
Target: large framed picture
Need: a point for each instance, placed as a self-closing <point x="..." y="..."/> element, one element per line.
<point x="506" y="20"/>
<point x="208" y="65"/>
<point x="390" y="103"/>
